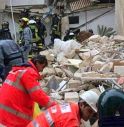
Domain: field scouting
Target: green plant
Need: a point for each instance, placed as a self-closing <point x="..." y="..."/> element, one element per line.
<point x="105" y="31"/>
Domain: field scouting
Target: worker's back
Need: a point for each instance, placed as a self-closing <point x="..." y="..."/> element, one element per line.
<point x="63" y="115"/>
<point x="111" y="108"/>
<point x="16" y="104"/>
<point x="10" y="55"/>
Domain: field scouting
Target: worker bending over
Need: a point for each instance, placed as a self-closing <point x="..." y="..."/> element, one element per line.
<point x="69" y="114"/>
<point x="111" y="108"/>
<point x="19" y="92"/>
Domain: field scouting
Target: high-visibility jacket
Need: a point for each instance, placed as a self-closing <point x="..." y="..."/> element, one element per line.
<point x="17" y="96"/>
<point x="64" y="115"/>
<point x="34" y="30"/>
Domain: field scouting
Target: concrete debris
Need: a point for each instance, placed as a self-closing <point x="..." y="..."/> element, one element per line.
<point x="56" y="96"/>
<point x="95" y="38"/>
<point x="76" y="67"/>
<point x="50" y="56"/>
<point x="74" y="83"/>
<point x="71" y="96"/>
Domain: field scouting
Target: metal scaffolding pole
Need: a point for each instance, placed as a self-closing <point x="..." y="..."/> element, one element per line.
<point x="13" y="21"/>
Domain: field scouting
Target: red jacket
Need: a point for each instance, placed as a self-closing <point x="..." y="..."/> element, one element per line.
<point x="18" y="94"/>
<point x="65" y="115"/>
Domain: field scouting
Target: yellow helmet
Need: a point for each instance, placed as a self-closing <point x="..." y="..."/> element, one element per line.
<point x="24" y="19"/>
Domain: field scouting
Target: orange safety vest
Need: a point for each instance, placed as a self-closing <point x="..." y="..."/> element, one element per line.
<point x="18" y="94"/>
<point x="64" y="115"/>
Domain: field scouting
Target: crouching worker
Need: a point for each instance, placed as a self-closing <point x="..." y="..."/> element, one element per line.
<point x="19" y="92"/>
<point x="111" y="108"/>
<point x="69" y="114"/>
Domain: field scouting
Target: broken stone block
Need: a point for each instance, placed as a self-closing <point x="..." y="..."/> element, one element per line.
<point x="72" y="68"/>
<point x="49" y="71"/>
<point x="75" y="62"/>
<point x="95" y="38"/>
<point x="89" y="54"/>
<point x="90" y="74"/>
<point x="118" y="63"/>
<point x="119" y="38"/>
<point x="119" y="70"/>
<point x="97" y="58"/>
<point x="68" y="73"/>
<point x="59" y="72"/>
<point x="49" y="56"/>
<point x="107" y="67"/>
<point x="74" y="83"/>
<point x="104" y="39"/>
<point x="71" y="54"/>
<point x="97" y="65"/>
<point x="53" y="83"/>
<point x="78" y="74"/>
<point x="71" y="96"/>
<point x="81" y="92"/>
<point x="56" y="96"/>
<point x="85" y="56"/>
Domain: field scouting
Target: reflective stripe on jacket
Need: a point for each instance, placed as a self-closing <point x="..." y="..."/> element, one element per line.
<point x="18" y="94"/>
<point x="65" y="115"/>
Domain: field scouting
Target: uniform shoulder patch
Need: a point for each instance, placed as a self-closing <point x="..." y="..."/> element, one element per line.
<point x="65" y="108"/>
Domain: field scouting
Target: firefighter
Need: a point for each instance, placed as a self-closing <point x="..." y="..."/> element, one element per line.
<point x="111" y="108"/>
<point x="55" y="19"/>
<point x="19" y="92"/>
<point x="42" y="33"/>
<point x="25" y="37"/>
<point x="71" y="36"/>
<point x="69" y="114"/>
<point x="55" y="34"/>
<point x="36" y="40"/>
<point x="10" y="55"/>
<point x="55" y="28"/>
<point x="5" y="32"/>
<point x="66" y="37"/>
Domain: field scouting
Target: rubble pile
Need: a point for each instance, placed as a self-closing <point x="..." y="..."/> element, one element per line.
<point x="74" y="67"/>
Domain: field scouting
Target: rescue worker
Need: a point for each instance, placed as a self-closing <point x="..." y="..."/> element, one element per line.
<point x="5" y="32"/>
<point x="69" y="114"/>
<point x="71" y="36"/>
<point x="91" y="31"/>
<point x="19" y="92"/>
<point x="25" y="37"/>
<point x="111" y="108"/>
<point x="55" y="28"/>
<point x="42" y="33"/>
<point x="36" y="41"/>
<point x="55" y="19"/>
<point x="10" y="55"/>
<point x="55" y="34"/>
<point x="66" y="37"/>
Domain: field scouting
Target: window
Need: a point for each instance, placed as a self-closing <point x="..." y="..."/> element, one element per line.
<point x="74" y="20"/>
<point x="107" y="1"/>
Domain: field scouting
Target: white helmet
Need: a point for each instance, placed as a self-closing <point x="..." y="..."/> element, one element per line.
<point x="32" y="22"/>
<point x="91" y="97"/>
<point x="71" y="33"/>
